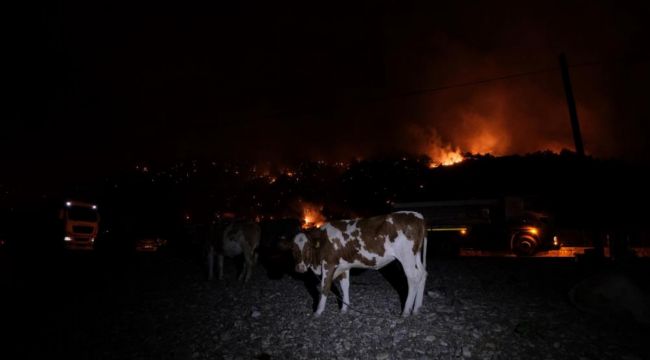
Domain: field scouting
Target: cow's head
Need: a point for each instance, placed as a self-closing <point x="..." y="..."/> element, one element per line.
<point x="305" y="248"/>
<point x="301" y="250"/>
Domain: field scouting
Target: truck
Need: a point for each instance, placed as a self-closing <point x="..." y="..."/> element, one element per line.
<point x="80" y="221"/>
<point x="496" y="224"/>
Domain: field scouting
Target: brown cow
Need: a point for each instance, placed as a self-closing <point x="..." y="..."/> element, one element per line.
<point x="236" y="239"/>
<point x="335" y="247"/>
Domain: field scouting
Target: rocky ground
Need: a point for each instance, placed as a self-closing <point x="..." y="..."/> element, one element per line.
<point x="153" y="306"/>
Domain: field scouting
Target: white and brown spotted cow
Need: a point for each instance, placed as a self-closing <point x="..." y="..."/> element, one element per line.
<point x="331" y="250"/>
<point x="235" y="239"/>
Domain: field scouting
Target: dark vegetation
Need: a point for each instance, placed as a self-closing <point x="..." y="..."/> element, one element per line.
<point x="167" y="200"/>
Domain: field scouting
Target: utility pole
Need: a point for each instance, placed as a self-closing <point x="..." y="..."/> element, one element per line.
<point x="573" y="113"/>
<point x="597" y="236"/>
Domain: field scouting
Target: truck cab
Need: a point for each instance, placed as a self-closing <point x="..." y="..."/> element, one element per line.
<point x="80" y="225"/>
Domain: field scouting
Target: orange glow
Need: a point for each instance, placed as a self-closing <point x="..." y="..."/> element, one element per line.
<point x="487" y="131"/>
<point x="463" y="232"/>
<point x="311" y="215"/>
<point x="496" y="123"/>
<point x="487" y="142"/>
<point x="483" y="137"/>
<point x="533" y="231"/>
<point x="444" y="156"/>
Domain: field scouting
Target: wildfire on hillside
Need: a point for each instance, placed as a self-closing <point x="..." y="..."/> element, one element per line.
<point x="440" y="153"/>
<point x="488" y="141"/>
<point x="444" y="156"/>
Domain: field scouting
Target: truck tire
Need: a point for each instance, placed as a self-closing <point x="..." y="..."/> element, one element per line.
<point x="524" y="245"/>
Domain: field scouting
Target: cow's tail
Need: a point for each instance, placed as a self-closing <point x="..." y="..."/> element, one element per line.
<point x="423" y="248"/>
<point x="424" y="251"/>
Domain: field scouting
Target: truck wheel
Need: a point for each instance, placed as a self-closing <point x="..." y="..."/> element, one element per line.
<point x="524" y="245"/>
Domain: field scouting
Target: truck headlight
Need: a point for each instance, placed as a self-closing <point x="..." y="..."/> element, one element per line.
<point x="67" y="238"/>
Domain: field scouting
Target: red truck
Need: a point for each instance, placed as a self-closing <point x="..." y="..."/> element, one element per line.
<point x="80" y="225"/>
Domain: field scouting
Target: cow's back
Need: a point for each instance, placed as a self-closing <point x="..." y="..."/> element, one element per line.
<point x="370" y="242"/>
<point x="239" y="236"/>
<point x="409" y="224"/>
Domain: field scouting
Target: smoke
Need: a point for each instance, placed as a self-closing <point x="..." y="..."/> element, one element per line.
<point x="527" y="113"/>
<point x="500" y="119"/>
<point x="429" y="46"/>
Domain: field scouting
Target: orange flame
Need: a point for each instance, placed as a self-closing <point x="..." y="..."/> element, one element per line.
<point x="311" y="215"/>
<point x="444" y="156"/>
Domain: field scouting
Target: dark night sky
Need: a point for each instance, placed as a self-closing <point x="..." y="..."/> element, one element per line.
<point x="94" y="87"/>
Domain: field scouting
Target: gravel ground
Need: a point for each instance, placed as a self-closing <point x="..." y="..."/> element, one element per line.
<point x="158" y="307"/>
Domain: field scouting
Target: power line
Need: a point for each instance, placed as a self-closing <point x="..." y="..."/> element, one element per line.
<point x="510" y="76"/>
<point x="504" y="77"/>
<point x="465" y="84"/>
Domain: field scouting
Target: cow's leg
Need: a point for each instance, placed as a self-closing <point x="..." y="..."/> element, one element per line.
<point x="419" y="295"/>
<point x="422" y="279"/>
<point x="408" y="305"/>
<point x="253" y="261"/>
<point x="321" y="305"/>
<point x="249" y="262"/>
<point x="210" y="263"/>
<point x="247" y="271"/>
<point x="326" y="278"/>
<point x="254" y="245"/>
<point x="244" y="270"/>
<point x="408" y="263"/>
<point x="220" y="266"/>
<point x="345" y="289"/>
